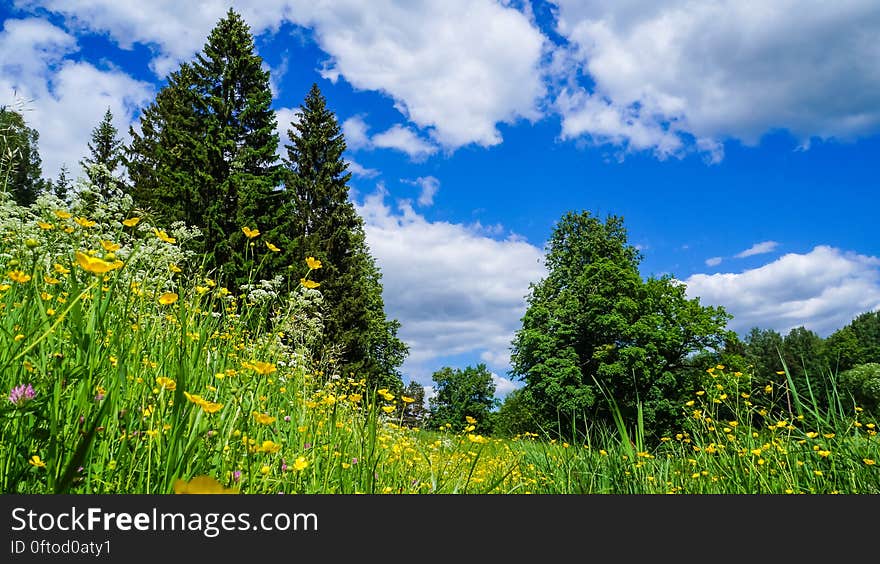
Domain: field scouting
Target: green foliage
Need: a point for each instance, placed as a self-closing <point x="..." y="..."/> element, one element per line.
<point x="862" y="383"/>
<point x="459" y="394"/>
<point x="318" y="220"/>
<point x="20" y="172"/>
<point x="206" y="153"/>
<point x="414" y="412"/>
<point x="595" y="331"/>
<point x="856" y="343"/>
<point x="105" y="156"/>
<point x="516" y="416"/>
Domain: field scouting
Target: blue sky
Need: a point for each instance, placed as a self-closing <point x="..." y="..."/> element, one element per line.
<point x="737" y="140"/>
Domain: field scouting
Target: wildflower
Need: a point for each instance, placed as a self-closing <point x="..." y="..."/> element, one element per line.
<point x="61" y="214"/>
<point x="313" y="263"/>
<point x="211" y="407"/>
<point x="310" y="284"/>
<point x="406" y="399"/>
<point x="44" y="225"/>
<point x="272" y="247"/>
<point x="300" y="464"/>
<point x="166" y="383"/>
<point x="250" y="233"/>
<point x="869" y="461"/>
<point x="780" y="372"/>
<point x="174" y="268"/>
<point x="263" y="418"/>
<point x="131" y="222"/>
<point x="387" y="408"/>
<point x="478" y="439"/>
<point x="19" y="276"/>
<point x="812" y="434"/>
<point x="35" y="461"/>
<point x="768" y="388"/>
<point x="20" y="395"/>
<point x="110" y="246"/>
<point x="823" y="453"/>
<point x="60" y="269"/>
<point x="269" y="447"/>
<point x="470" y="420"/>
<point x="260" y="367"/>
<point x="201" y="485"/>
<point x="168" y="298"/>
<point x="95" y="265"/>
<point x="160" y="233"/>
<point x="84" y="222"/>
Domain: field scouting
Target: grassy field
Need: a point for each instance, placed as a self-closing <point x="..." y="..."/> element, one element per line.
<point x="122" y="376"/>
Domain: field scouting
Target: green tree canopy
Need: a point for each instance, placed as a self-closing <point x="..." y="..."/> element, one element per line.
<point x="856" y="343"/>
<point x="595" y="331"/>
<point x="206" y="152"/>
<point x="20" y="163"/>
<point x="318" y="220"/>
<point x="459" y="394"/>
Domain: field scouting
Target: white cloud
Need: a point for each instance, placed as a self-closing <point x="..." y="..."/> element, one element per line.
<point x="456" y="67"/>
<point x="710" y="71"/>
<point x="822" y="290"/>
<point x="354" y="129"/>
<point x="713" y="261"/>
<point x="504" y="386"/>
<point x="405" y="140"/>
<point x="758" y="249"/>
<point x="428" y="186"/>
<point x="66" y="99"/>
<point x="362" y="171"/>
<point x="286" y="119"/>
<point x="454" y="290"/>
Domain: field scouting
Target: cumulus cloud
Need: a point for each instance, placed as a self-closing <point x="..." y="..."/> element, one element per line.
<point x="454" y="290"/>
<point x="361" y="171"/>
<point x="822" y="290"/>
<point x="504" y="386"/>
<point x="405" y="140"/>
<point x="713" y="261"/>
<point x="286" y="120"/>
<point x="703" y="72"/>
<point x="428" y="187"/>
<point x="758" y="249"/>
<point x="454" y="67"/>
<point x="64" y="98"/>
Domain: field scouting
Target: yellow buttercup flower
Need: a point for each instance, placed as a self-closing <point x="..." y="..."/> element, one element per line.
<point x="61" y="214"/>
<point x="310" y="284"/>
<point x="174" y="268"/>
<point x="201" y="485"/>
<point x="260" y="367"/>
<point x="250" y="233"/>
<point x="406" y="399"/>
<point x="470" y="420"/>
<point x="313" y="263"/>
<point x="168" y="298"/>
<point x="388" y="408"/>
<point x="166" y="383"/>
<point x="131" y="222"/>
<point x="84" y="222"/>
<point x="160" y="233"/>
<point x="300" y="463"/>
<point x="36" y="461"/>
<point x="110" y="246"/>
<point x="94" y="264"/>
<point x="272" y="247"/>
<point x="44" y="225"/>
<point x="19" y="276"/>
<point x="263" y="418"/>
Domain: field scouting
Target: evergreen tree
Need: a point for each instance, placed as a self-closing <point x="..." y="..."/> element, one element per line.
<point x="20" y="163"/>
<point x="320" y="221"/>
<point x="105" y="156"/>
<point x="61" y="186"/>
<point x="415" y="411"/>
<point x="206" y="153"/>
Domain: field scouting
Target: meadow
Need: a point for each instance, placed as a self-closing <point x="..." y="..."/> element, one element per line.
<point x="121" y="374"/>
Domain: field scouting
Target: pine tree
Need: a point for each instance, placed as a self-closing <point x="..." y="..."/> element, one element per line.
<point x="20" y="162"/>
<point x="206" y="153"/>
<point x="61" y="186"/>
<point x="319" y="220"/>
<point x="105" y="156"/>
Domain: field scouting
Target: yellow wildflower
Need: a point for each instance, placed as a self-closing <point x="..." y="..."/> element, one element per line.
<point x="272" y="247"/>
<point x="131" y="222"/>
<point x="36" y="461"/>
<point x="300" y="463"/>
<point x="263" y="418"/>
<point x="310" y="284"/>
<point x="160" y="233"/>
<point x="61" y="214"/>
<point x="94" y="264"/>
<point x="313" y="263"/>
<point x="166" y="383"/>
<point x="168" y="298"/>
<point x="201" y="485"/>
<point x="84" y="222"/>
<point x="250" y="233"/>
<point x="44" y="225"/>
<point x="19" y="276"/>
<point x="110" y="246"/>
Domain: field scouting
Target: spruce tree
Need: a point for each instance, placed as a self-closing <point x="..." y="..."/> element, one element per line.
<point x="61" y="186"/>
<point x="320" y="221"/>
<point x="105" y="156"/>
<point x="206" y="153"/>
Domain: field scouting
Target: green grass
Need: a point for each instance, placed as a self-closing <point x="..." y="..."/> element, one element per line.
<point x="135" y="391"/>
